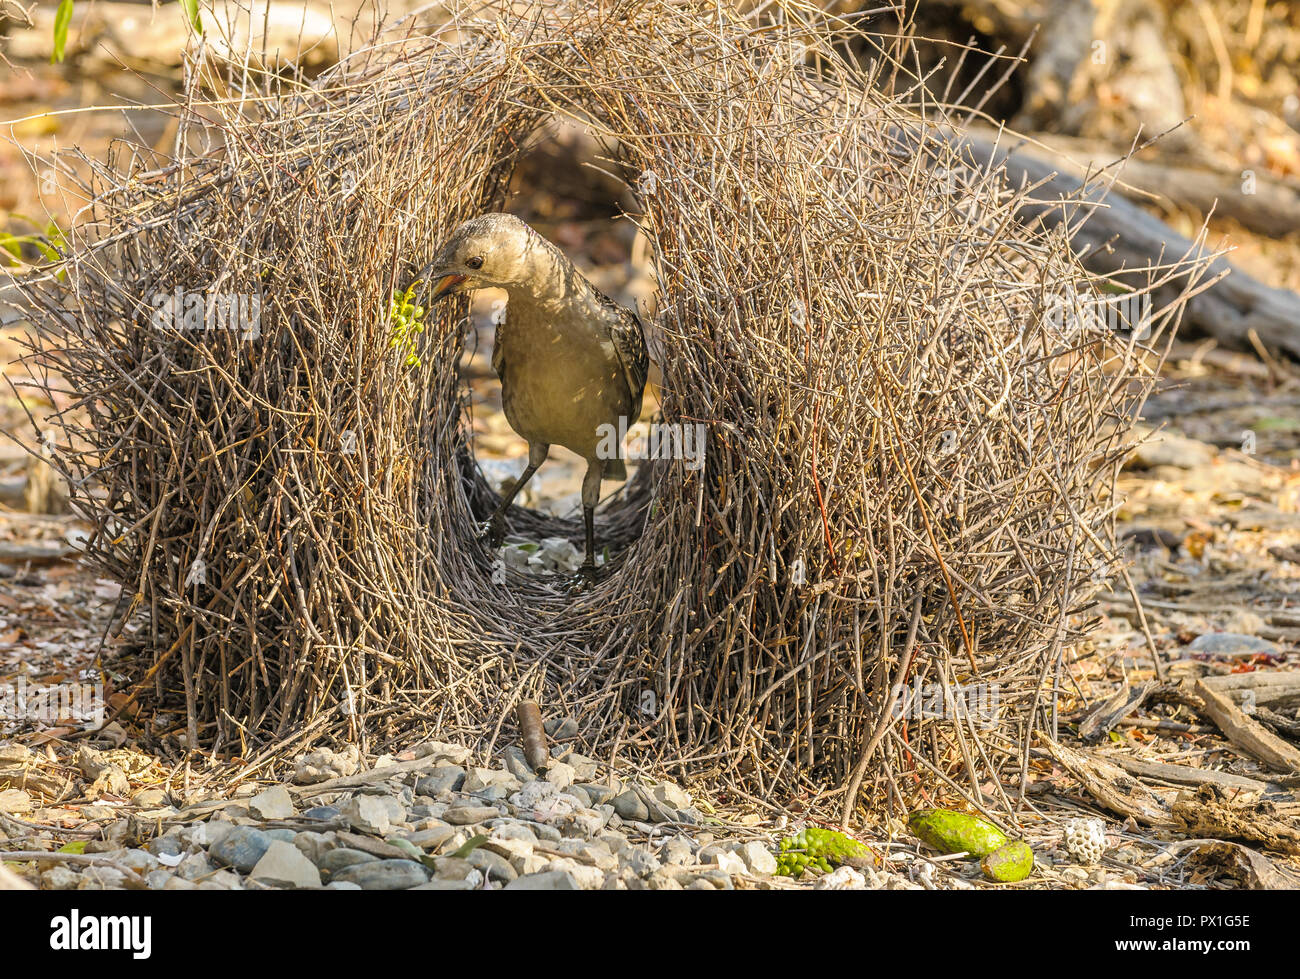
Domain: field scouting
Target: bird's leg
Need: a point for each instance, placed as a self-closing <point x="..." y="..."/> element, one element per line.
<point x="589" y="518"/>
<point x="590" y="497"/>
<point x="497" y="524"/>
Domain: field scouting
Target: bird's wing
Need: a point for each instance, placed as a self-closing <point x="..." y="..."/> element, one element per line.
<point x="499" y="353"/>
<point x="628" y="337"/>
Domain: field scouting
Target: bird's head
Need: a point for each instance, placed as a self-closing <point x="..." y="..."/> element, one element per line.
<point x="489" y="251"/>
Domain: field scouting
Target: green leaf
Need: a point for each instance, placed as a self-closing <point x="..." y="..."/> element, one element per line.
<point x="50" y="253"/>
<point x="11" y="244"/>
<point x="55" y="234"/>
<point x="470" y="846"/>
<point x="62" y="18"/>
<point x="76" y="846"/>
<point x="191" y="8"/>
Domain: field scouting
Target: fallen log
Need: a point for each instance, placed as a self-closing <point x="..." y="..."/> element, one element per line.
<point x="1111" y="786"/>
<point x="1260" y="688"/>
<point x="1246" y="733"/>
<point x="1114" y="236"/>
<point x="11" y="553"/>
<point x="1186" y="775"/>
<point x="1259" y="201"/>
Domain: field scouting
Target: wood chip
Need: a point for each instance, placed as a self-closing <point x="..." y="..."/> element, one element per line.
<point x="1255" y="870"/>
<point x="1103" y="718"/>
<point x="1111" y="786"/>
<point x="1208" y="813"/>
<point x="1246" y="733"/>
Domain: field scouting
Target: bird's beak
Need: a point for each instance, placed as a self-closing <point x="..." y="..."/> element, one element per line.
<point x="447" y="285"/>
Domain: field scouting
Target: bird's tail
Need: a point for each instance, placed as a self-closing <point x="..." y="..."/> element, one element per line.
<point x="615" y="469"/>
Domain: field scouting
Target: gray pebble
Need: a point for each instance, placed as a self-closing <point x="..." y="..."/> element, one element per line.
<point x="194" y="866"/>
<point x="598" y="794"/>
<point x="273" y="803"/>
<point x="367" y="814"/>
<point x="436" y="786"/>
<point x="156" y="879"/>
<point x="468" y="815"/>
<point x="431" y="838"/>
<point x="584" y="769"/>
<point x="561" y="728"/>
<point x="640" y="862"/>
<point x="1231" y="644"/>
<point x="60" y="879"/>
<point x="141" y="861"/>
<point x="546" y="832"/>
<point x="242" y="847"/>
<point x="384" y="875"/>
<point x="517" y="765"/>
<point x="284" y="865"/>
<point x="629" y="805"/>
<point x="493" y="865"/>
<point x="315" y="845"/>
<point x="454" y="868"/>
<point x="150" y="797"/>
<point x="337" y="859"/>
<point x="210" y="833"/>
<point x="547" y="880"/>
<point x="671" y="795"/>
<point x="162" y="846"/>
<point x="679" y="852"/>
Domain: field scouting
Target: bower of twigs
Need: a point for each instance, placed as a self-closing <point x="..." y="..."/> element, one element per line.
<point x="909" y="450"/>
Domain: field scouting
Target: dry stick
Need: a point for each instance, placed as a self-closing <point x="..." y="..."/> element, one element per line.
<point x="934" y="543"/>
<point x="533" y="733"/>
<point x="886" y="715"/>
<point x="153" y="670"/>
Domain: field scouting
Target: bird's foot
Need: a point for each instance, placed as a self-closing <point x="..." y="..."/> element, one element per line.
<point x="586" y="576"/>
<point x="495" y="533"/>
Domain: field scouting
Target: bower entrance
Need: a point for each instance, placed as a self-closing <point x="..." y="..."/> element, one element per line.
<point x="907" y="466"/>
<point x="562" y="186"/>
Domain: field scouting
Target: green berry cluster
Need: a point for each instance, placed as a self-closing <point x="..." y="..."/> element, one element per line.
<point x="816" y="847"/>
<point x="408" y="323"/>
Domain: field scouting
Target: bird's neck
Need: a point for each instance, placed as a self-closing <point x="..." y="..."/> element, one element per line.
<point x="550" y="282"/>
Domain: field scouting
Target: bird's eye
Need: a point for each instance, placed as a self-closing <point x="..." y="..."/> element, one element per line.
<point x="474" y="263"/>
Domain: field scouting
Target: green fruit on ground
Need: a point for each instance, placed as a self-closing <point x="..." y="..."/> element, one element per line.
<point x="816" y="847"/>
<point x="1009" y="863"/>
<point x="949" y="831"/>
